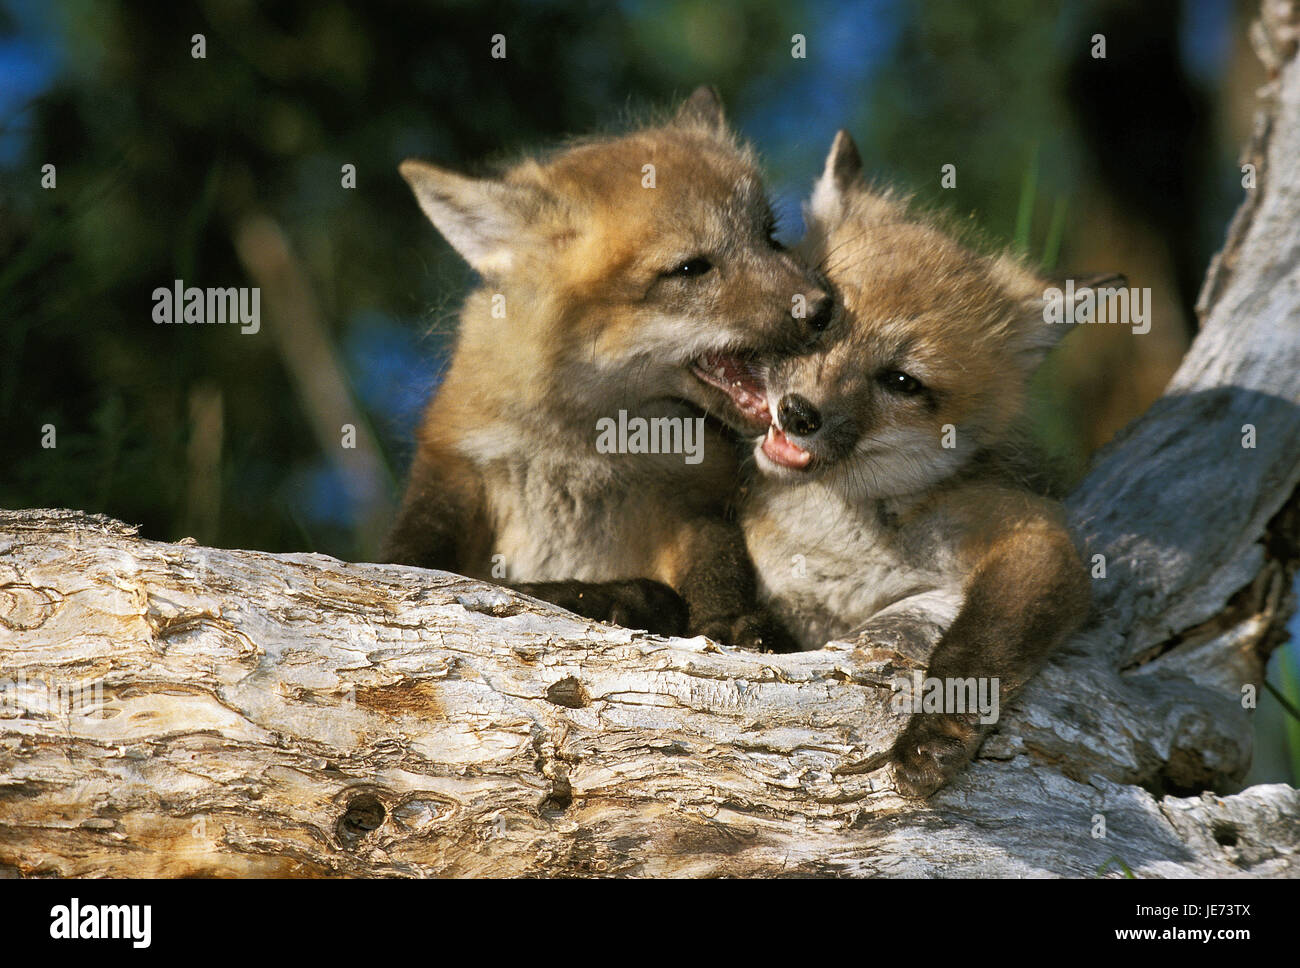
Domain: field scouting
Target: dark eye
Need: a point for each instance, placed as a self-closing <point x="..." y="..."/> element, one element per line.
<point x="691" y="268"/>
<point x="896" y="381"/>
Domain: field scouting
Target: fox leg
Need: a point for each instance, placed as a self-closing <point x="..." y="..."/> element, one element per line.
<point x="441" y="523"/>
<point x="1028" y="593"/>
<point x="709" y="566"/>
<point x="636" y="603"/>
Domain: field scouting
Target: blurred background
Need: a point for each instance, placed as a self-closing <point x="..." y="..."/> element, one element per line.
<point x="228" y="170"/>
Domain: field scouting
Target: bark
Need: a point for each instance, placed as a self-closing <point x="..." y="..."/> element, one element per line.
<point x="174" y="710"/>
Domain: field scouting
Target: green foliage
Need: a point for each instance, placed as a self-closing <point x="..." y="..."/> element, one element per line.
<point x="1288" y="696"/>
<point x="1117" y="861"/>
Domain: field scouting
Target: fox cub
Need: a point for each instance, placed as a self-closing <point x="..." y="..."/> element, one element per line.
<point x="896" y="498"/>
<point x="631" y="280"/>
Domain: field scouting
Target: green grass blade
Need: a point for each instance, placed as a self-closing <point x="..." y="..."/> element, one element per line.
<point x="1116" y="859"/>
<point x="1025" y="208"/>
<point x="1055" y="233"/>
<point x="1288" y="696"/>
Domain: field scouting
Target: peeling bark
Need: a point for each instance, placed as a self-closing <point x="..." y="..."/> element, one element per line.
<point x="295" y="715"/>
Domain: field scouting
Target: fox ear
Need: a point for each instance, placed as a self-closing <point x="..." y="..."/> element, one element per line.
<point x="703" y="109"/>
<point x="1050" y="304"/>
<point x="843" y="169"/>
<point x="483" y="219"/>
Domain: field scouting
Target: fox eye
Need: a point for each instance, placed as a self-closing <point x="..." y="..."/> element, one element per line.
<point x="691" y="268"/>
<point x="896" y="381"/>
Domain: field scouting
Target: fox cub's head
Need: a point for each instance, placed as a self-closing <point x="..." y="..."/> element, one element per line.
<point x="930" y="362"/>
<point x="632" y="269"/>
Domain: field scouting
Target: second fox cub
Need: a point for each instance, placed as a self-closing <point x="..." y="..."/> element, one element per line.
<point x="898" y="500"/>
<point x="624" y="278"/>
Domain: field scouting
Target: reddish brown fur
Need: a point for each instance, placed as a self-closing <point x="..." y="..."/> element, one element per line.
<point x="597" y="321"/>
<point x="916" y="511"/>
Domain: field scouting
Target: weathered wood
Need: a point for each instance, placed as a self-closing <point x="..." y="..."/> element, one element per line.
<point x="297" y="715"/>
<point x="267" y="714"/>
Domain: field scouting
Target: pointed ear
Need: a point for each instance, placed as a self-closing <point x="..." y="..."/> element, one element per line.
<point x="843" y="169"/>
<point x="703" y="109"/>
<point x="485" y="220"/>
<point x="1099" y="280"/>
<point x="1049" y="310"/>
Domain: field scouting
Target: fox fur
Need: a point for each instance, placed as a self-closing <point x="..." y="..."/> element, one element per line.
<point x="897" y="498"/>
<point x="621" y="276"/>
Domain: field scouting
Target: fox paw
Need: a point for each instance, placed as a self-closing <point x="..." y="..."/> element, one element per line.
<point x="637" y="603"/>
<point x="759" y="631"/>
<point x="931" y="751"/>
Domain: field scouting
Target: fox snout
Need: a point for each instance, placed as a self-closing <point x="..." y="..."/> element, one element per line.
<point x="802" y="437"/>
<point x="798" y="416"/>
<point x="812" y="306"/>
<point x="775" y="303"/>
<point x="820" y="310"/>
<point x="772" y="312"/>
<point x="819" y="412"/>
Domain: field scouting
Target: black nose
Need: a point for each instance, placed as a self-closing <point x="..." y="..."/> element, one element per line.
<point x="798" y="416"/>
<point x="823" y="307"/>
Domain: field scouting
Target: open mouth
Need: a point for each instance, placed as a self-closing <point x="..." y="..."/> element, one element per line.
<point x="781" y="450"/>
<point x="742" y="381"/>
<point x="739" y="379"/>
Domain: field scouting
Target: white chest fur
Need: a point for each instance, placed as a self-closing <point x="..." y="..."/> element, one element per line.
<point x="561" y="511"/>
<point x="566" y="519"/>
<point x="827" y="566"/>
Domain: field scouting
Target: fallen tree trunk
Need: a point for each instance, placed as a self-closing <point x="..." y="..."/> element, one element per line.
<point x="175" y="710"/>
<point x="297" y="715"/>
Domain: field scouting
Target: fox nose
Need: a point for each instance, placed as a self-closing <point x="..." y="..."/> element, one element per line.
<point x="798" y="416"/>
